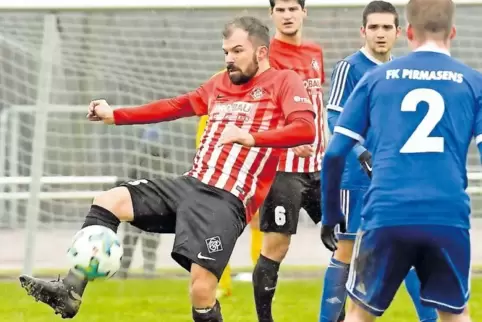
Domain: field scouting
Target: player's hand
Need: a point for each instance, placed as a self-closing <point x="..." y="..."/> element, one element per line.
<point x="233" y="134"/>
<point x="328" y="235"/>
<point x="365" y="160"/>
<point x="99" y="110"/>
<point x="304" y="151"/>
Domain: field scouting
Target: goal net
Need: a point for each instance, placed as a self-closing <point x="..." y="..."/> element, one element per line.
<point x="58" y="62"/>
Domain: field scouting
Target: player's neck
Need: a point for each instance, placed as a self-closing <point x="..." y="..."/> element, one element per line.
<point x="438" y="44"/>
<point x="383" y="58"/>
<point x="262" y="67"/>
<point x="292" y="40"/>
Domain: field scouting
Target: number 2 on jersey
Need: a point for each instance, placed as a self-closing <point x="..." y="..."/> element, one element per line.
<point x="420" y="141"/>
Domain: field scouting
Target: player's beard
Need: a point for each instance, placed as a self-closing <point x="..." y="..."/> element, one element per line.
<point x="243" y="77"/>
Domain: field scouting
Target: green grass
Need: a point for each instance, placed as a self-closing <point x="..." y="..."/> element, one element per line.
<point x="167" y="301"/>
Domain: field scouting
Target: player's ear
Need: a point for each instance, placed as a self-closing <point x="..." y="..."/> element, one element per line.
<point x="399" y="31"/>
<point x="363" y="32"/>
<point x="262" y="53"/>
<point x="453" y="33"/>
<point x="409" y="32"/>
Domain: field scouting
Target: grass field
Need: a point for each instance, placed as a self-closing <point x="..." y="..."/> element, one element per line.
<point x="167" y="301"/>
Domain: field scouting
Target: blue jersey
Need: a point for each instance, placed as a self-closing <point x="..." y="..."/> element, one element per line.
<point x="419" y="114"/>
<point x="346" y="75"/>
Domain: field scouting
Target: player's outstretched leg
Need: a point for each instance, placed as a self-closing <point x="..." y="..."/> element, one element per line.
<point x="65" y="296"/>
<point x="425" y="314"/>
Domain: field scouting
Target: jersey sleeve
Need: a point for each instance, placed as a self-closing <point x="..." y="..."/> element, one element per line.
<point x="478" y="119"/>
<point x="354" y="120"/>
<point x="199" y="98"/>
<point x="343" y="82"/>
<point x="292" y="95"/>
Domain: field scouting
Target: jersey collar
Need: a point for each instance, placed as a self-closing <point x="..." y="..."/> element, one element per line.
<point x="429" y="46"/>
<point x="370" y="57"/>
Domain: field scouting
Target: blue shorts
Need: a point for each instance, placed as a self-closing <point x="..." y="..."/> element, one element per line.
<point x="383" y="257"/>
<point x="351" y="207"/>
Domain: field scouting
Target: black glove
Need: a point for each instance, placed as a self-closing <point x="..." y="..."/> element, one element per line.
<point x="365" y="160"/>
<point x="328" y="235"/>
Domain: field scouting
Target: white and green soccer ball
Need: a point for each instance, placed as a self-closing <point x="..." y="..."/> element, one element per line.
<point x="95" y="253"/>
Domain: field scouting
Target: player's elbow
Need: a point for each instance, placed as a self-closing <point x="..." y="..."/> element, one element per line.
<point x="333" y="155"/>
<point x="307" y="130"/>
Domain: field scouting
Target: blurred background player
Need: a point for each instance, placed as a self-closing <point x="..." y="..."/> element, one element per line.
<point x="380" y="29"/>
<point x="418" y="114"/>
<point x="145" y="161"/>
<point x="225" y="283"/>
<point x="297" y="183"/>
<point x="254" y="112"/>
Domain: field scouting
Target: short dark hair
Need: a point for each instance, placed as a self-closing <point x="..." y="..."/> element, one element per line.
<point x="379" y="6"/>
<point x="272" y="3"/>
<point x="255" y="28"/>
<point x="431" y="17"/>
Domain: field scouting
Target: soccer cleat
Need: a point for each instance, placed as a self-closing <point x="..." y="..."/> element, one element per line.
<point x="54" y="293"/>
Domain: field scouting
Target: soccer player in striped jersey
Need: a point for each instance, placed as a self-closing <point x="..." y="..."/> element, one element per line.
<point x="225" y="283"/>
<point x="297" y="183"/>
<point x="418" y="115"/>
<point x="254" y="112"/>
<point x="380" y="30"/>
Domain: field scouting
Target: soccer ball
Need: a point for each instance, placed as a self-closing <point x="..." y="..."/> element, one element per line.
<point x="95" y="253"/>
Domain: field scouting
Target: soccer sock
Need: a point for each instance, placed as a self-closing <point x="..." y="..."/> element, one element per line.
<point x="256" y="243"/>
<point x="96" y="216"/>
<point x="425" y="314"/>
<point x="334" y="291"/>
<point x="265" y="277"/>
<point x="341" y="318"/>
<point x="225" y="282"/>
<point x="100" y="216"/>
<point x="210" y="314"/>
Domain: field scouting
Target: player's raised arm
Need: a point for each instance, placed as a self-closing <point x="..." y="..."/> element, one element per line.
<point x="299" y="115"/>
<point x="350" y="129"/>
<point x="190" y="104"/>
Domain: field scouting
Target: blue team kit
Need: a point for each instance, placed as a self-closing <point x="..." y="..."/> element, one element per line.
<point x="417" y="116"/>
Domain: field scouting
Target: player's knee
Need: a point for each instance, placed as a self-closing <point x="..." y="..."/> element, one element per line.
<point x="203" y="287"/>
<point x="275" y="246"/>
<point x="344" y="251"/>
<point x="118" y="201"/>
<point x="450" y="317"/>
<point x="357" y="314"/>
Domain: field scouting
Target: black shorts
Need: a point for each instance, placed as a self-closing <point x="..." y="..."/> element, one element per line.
<point x="289" y="193"/>
<point x="207" y="220"/>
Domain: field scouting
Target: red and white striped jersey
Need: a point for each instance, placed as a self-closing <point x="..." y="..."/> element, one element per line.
<point x="262" y="104"/>
<point x="307" y="61"/>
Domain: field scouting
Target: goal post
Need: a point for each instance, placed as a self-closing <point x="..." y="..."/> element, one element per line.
<point x="58" y="55"/>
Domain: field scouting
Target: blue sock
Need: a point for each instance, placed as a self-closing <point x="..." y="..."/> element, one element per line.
<point x="425" y="314"/>
<point x="334" y="291"/>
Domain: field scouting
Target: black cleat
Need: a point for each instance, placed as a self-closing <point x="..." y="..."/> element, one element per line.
<point x="54" y="293"/>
